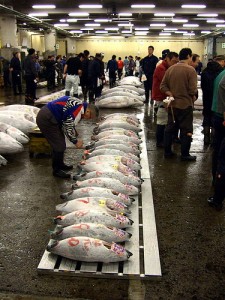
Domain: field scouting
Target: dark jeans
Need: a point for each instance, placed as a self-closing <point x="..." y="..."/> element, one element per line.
<point x="16" y="82"/>
<point x="148" y="86"/>
<point x="120" y="73"/>
<point x="218" y="156"/>
<point x="30" y="86"/>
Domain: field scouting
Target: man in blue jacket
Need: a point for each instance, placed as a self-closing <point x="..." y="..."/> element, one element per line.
<point x="112" y="68"/>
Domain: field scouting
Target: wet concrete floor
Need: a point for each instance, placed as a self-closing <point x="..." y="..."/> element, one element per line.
<point x="191" y="235"/>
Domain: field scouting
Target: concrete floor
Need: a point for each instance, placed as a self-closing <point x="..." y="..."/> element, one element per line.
<point x="191" y="235"/>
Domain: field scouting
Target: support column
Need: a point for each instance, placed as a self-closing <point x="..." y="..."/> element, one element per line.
<point x="8" y="31"/>
<point x="71" y="46"/>
<point x="50" y="41"/>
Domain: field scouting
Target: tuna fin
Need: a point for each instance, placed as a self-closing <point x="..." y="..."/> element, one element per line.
<point x="129" y="254"/>
<point x="60" y="206"/>
<point x="51" y="244"/>
<point x="55" y="220"/>
<point x="90" y="146"/>
<point x="57" y="231"/>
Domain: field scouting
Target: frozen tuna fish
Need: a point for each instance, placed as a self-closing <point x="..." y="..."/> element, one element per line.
<point x="94" y="216"/>
<point x="130" y="80"/>
<point x="131" y="179"/>
<point x="14" y="133"/>
<point x="125" y="139"/>
<point x="33" y="110"/>
<point x="121" y="147"/>
<point x="119" y="102"/>
<point x="113" y="159"/>
<point x="121" y="94"/>
<point x="3" y="161"/>
<point x="108" y="183"/>
<point x="9" y="145"/>
<point x="119" y="118"/>
<point x="88" y="250"/>
<point x="96" y="192"/>
<point x="120" y="89"/>
<point x="116" y="115"/>
<point x="118" y="124"/>
<point x="115" y="141"/>
<point x="114" y="131"/>
<point x="97" y="231"/>
<point x="21" y="122"/>
<point x="95" y="203"/>
<point x="139" y="90"/>
<point x="107" y="151"/>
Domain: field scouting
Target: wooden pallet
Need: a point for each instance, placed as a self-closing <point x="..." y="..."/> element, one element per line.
<point x="144" y="263"/>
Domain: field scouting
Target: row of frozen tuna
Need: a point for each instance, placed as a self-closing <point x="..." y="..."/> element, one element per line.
<point x="127" y="94"/>
<point x="97" y="212"/>
<point x="15" y="122"/>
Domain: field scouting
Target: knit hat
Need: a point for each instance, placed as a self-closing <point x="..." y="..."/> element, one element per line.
<point x="164" y="53"/>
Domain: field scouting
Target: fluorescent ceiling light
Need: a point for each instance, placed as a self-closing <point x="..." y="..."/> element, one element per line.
<point x="102" y="20"/>
<point x="189" y="33"/>
<point x="90" y="6"/>
<point x="179" y="20"/>
<point x="62" y="20"/>
<point x="164" y="33"/>
<point x="112" y="28"/>
<point x="141" y="33"/>
<point x="42" y="14"/>
<point x="180" y="31"/>
<point x="76" y="31"/>
<point x="125" y="15"/>
<point x="207" y="15"/>
<point x="79" y="14"/>
<point x="71" y="20"/>
<point x="92" y="24"/>
<point x="87" y="29"/>
<point x="125" y="25"/>
<point x="61" y="25"/>
<point x="125" y="31"/>
<point x="164" y="15"/>
<point x="205" y="31"/>
<point x="157" y="25"/>
<point x="193" y="6"/>
<point x="190" y="25"/>
<point x="170" y="29"/>
<point x="143" y="6"/>
<point x="220" y="25"/>
<point x="215" y="21"/>
<point x="101" y="31"/>
<point x="49" y="6"/>
<point x="141" y="28"/>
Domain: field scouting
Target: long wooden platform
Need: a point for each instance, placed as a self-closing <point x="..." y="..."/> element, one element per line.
<point x="144" y="263"/>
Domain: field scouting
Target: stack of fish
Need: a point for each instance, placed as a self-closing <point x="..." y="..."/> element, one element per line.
<point x="122" y="96"/>
<point x="15" y="122"/>
<point x="96" y="214"/>
<point x="130" y="80"/>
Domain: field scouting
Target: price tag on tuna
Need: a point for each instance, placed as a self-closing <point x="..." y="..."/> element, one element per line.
<point x="102" y="202"/>
<point x="117" y="158"/>
<point x="115" y="167"/>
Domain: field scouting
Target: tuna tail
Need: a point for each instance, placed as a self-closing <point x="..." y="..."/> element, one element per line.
<point x="129" y="254"/>
<point x="132" y="199"/>
<point x="60" y="206"/>
<point x="94" y="138"/>
<point x="75" y="186"/>
<point x="96" y="130"/>
<point x="90" y="146"/>
<point x="57" y="231"/>
<point x="55" y="220"/>
<point x="78" y="176"/>
<point x="51" y="244"/>
<point x="64" y="196"/>
<point x="131" y="222"/>
<point x="129" y="235"/>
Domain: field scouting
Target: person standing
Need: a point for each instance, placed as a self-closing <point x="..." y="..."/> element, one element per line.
<point x="50" y="71"/>
<point x="15" y="68"/>
<point x="84" y="76"/>
<point x="31" y="76"/>
<point x="94" y="76"/>
<point x="126" y="66"/>
<point x="218" y="108"/>
<point x="137" y="66"/>
<point x="180" y="84"/>
<point x="120" y="66"/>
<point x="148" y="67"/>
<point x="112" y="68"/>
<point x="72" y="73"/>
<point x="131" y="66"/>
<point x="169" y="59"/>
<point x="55" y="120"/>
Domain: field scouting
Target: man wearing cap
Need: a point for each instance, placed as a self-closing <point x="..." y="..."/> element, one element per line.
<point x="148" y="65"/>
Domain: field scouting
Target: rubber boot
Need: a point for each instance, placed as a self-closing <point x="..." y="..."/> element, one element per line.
<point x="57" y="165"/>
<point x="75" y="95"/>
<point x="67" y="93"/>
<point x="91" y="96"/>
<point x="84" y="91"/>
<point x="185" y="148"/>
<point x="160" y="136"/>
<point x="219" y="193"/>
<point x="168" y="139"/>
<point x="207" y="137"/>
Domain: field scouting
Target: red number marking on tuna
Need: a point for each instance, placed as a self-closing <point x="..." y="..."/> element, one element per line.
<point x="97" y="243"/>
<point x="81" y="213"/>
<point x="87" y="245"/>
<point x="73" y="242"/>
<point x="86" y="201"/>
<point x="81" y="226"/>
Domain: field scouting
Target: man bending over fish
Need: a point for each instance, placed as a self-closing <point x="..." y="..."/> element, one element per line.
<point x="57" y="119"/>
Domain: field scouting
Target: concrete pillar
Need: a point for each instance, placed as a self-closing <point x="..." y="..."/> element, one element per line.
<point x="8" y="31"/>
<point x="50" y="40"/>
<point x="24" y="38"/>
<point x="71" y="45"/>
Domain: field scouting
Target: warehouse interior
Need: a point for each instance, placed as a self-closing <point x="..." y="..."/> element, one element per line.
<point x="190" y="234"/>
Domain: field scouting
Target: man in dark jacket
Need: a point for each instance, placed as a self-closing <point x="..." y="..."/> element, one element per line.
<point x="15" y="68"/>
<point x="84" y="76"/>
<point x="94" y="75"/>
<point x="31" y="76"/>
<point x="112" y="68"/>
<point x="207" y="80"/>
<point x="148" y="65"/>
<point x="50" y="64"/>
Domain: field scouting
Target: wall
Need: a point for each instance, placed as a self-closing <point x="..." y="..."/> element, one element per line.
<point x="132" y="46"/>
<point x="219" y="49"/>
<point x="38" y="42"/>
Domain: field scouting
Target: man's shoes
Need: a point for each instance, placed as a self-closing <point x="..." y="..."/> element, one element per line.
<point x="61" y="174"/>
<point x="65" y="167"/>
<point x="188" y="158"/>
<point x="169" y="154"/>
<point x="211" y="203"/>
